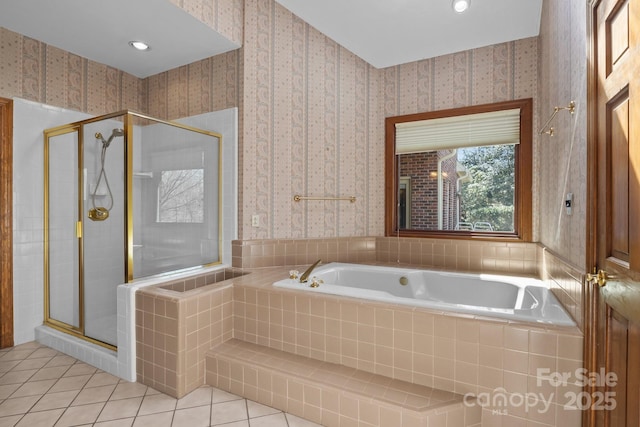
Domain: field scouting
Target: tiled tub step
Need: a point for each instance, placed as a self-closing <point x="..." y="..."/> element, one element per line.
<point x="331" y="394"/>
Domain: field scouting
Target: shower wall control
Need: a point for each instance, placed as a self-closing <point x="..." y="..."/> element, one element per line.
<point x="568" y="203"/>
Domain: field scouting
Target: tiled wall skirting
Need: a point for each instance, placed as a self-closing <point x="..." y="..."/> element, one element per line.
<point x="461" y="255"/>
<point x="566" y="282"/>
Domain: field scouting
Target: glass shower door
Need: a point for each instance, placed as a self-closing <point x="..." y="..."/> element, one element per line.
<point x="62" y="299"/>
<point x="104" y="222"/>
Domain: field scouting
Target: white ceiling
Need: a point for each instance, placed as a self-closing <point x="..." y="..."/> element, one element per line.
<point x="391" y="32"/>
<point x="382" y="32"/>
<point x="100" y="30"/>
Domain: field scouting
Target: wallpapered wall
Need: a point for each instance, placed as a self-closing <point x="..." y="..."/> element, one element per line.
<point x="561" y="163"/>
<point x="211" y="84"/>
<point x="495" y="73"/>
<point x="312" y="126"/>
<point x="312" y="113"/>
<point x="501" y="72"/>
<point x="38" y="72"/>
<point x="224" y="16"/>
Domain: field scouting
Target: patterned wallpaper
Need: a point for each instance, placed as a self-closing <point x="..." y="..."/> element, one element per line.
<point x="495" y="73"/>
<point x="501" y="72"/>
<point x="224" y="16"/>
<point x="313" y="125"/>
<point x="38" y="72"/>
<point x="211" y="84"/>
<point x="562" y="159"/>
<point x="312" y="113"/>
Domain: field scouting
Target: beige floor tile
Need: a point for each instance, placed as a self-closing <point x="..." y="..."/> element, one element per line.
<point x="77" y="415"/>
<point x="55" y="372"/>
<point x="41" y="387"/>
<point x="16" y="355"/>
<point x="243" y="423"/>
<point x="33" y="388"/>
<point x="8" y="389"/>
<point x="31" y="345"/>
<point x="299" y="422"/>
<point x="192" y="417"/>
<point x="124" y="408"/>
<point x="94" y="395"/>
<point x="258" y="410"/>
<point x="126" y="390"/>
<point x="32" y="364"/>
<point x="80" y="369"/>
<point x="44" y="352"/>
<point x="124" y="422"/>
<point x="102" y="378"/>
<point x="227" y="412"/>
<point x="151" y="391"/>
<point x="198" y="397"/>
<point x="163" y="419"/>
<point x="218" y="396"/>
<point x="61" y="360"/>
<point x="8" y="365"/>
<point x="15" y="377"/>
<point x="41" y="419"/>
<point x="19" y="405"/>
<point x="274" y="420"/>
<point x="55" y="400"/>
<point x="157" y="403"/>
<point x="10" y="421"/>
<point x="70" y="383"/>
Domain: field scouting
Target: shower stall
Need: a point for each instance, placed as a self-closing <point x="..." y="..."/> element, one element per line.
<point x="126" y="196"/>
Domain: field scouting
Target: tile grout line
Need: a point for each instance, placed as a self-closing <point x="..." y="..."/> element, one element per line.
<point x="77" y="369"/>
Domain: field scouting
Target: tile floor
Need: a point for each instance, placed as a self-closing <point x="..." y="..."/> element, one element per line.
<point x="41" y="387"/>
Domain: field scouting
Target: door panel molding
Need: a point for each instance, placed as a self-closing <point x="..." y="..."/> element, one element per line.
<point x="612" y="333"/>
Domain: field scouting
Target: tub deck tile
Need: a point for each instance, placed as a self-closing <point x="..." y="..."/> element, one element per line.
<point x="304" y="375"/>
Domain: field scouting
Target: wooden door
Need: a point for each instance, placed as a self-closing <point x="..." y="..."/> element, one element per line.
<point x="6" y="228"/>
<point x="614" y="161"/>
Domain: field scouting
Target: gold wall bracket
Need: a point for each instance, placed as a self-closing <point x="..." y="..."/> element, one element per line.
<point x="549" y="129"/>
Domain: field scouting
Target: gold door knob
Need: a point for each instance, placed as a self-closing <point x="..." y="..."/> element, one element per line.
<point x="600" y="278"/>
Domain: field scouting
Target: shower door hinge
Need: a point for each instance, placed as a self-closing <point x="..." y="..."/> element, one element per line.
<point x="79" y="229"/>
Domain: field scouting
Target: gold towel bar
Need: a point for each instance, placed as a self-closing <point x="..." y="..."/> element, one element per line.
<point x="297" y="198"/>
<point x="571" y="107"/>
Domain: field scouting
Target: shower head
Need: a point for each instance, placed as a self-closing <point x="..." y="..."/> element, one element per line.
<point x="114" y="133"/>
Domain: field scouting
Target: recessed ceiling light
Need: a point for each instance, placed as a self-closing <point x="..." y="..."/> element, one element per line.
<point x="139" y="45"/>
<point x="461" y="5"/>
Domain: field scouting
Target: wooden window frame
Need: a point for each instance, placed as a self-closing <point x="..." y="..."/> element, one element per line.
<point x="523" y="217"/>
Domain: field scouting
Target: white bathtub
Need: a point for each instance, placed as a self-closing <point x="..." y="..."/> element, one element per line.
<point x="516" y="298"/>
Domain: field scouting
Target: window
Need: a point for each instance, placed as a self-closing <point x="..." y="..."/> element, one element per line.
<point x="181" y="196"/>
<point x="462" y="173"/>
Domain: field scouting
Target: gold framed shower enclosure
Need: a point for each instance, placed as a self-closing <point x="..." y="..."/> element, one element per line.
<point x="65" y="227"/>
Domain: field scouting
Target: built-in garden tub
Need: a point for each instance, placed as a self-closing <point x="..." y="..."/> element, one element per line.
<point x="517" y="298"/>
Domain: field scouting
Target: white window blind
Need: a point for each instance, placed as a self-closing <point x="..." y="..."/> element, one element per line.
<point x="472" y="130"/>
